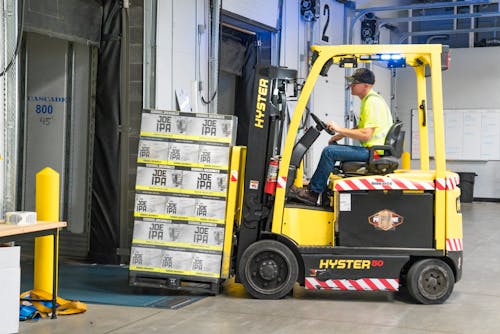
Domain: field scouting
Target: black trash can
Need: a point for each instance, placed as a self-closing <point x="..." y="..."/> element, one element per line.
<point x="466" y="186"/>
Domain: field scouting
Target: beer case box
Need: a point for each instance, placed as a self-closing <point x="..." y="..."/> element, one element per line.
<point x="213" y="155"/>
<point x="206" y="126"/>
<point x="209" y="126"/>
<point x="164" y="177"/>
<point x="192" y="153"/>
<point x="183" y="152"/>
<point x="153" y="149"/>
<point x="169" y="151"/>
<point x="158" y="205"/>
<point x="208" y="208"/>
<point x="187" y="234"/>
<point x="205" y="180"/>
<point x="152" y="204"/>
<point x="154" y="121"/>
<point x="175" y="261"/>
<point x="182" y="208"/>
<point x="189" y="181"/>
<point x="194" y="181"/>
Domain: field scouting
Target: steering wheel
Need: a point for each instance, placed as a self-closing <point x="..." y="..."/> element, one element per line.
<point x="322" y="125"/>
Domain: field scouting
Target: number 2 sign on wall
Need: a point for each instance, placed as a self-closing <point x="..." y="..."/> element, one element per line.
<point x="331" y="23"/>
<point x="326" y="14"/>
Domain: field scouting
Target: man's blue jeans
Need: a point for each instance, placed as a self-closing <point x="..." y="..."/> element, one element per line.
<point x="329" y="156"/>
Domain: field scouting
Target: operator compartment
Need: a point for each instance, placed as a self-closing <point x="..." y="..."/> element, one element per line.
<point x="371" y="214"/>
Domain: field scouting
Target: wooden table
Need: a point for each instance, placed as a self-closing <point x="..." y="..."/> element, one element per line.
<point x="9" y="233"/>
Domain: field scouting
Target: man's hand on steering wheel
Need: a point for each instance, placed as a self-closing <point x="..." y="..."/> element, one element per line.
<point x="332" y="126"/>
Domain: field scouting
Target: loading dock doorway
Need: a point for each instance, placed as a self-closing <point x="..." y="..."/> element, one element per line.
<point x="242" y="47"/>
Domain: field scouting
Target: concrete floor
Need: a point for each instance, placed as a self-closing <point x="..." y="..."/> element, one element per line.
<point x="474" y="306"/>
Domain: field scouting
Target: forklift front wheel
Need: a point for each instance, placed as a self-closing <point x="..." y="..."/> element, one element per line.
<point x="268" y="269"/>
<point x="430" y="281"/>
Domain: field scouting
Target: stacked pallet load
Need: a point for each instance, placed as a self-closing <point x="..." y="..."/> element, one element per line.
<point x="180" y="202"/>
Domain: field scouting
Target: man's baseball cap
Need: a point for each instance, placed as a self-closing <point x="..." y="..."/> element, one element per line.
<point x="361" y="75"/>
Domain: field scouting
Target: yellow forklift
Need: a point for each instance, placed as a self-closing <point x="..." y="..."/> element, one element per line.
<point x="379" y="228"/>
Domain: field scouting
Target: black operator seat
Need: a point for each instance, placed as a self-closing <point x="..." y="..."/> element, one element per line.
<point x="378" y="163"/>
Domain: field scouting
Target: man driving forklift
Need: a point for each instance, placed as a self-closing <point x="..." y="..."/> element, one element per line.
<point x="374" y="122"/>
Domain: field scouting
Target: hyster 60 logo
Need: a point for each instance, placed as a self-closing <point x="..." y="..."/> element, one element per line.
<point x="349" y="264"/>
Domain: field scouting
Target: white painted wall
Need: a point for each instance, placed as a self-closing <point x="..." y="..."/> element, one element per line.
<point x="293" y="38"/>
<point x="181" y="51"/>
<point x="471" y="82"/>
<point x="262" y="11"/>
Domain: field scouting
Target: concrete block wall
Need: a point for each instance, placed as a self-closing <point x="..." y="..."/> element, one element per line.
<point x="136" y="32"/>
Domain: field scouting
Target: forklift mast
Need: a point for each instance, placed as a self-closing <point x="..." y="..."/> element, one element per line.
<point x="264" y="142"/>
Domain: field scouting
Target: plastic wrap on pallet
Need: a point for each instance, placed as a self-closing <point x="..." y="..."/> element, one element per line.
<point x="181" y="189"/>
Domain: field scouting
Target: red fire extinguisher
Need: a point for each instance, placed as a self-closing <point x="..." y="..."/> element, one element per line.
<point x="272" y="175"/>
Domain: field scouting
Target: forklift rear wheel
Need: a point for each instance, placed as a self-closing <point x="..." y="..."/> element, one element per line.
<point x="268" y="269"/>
<point x="430" y="281"/>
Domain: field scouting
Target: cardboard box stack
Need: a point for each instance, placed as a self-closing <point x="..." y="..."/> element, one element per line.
<point x="181" y="186"/>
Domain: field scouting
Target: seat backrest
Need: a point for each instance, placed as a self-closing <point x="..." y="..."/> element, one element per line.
<point x="395" y="139"/>
<point x="398" y="145"/>
<point x="393" y="149"/>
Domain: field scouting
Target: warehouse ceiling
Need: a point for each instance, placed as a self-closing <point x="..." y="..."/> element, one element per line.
<point x="460" y="24"/>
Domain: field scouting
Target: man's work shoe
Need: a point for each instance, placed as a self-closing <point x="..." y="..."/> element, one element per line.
<point x="305" y="195"/>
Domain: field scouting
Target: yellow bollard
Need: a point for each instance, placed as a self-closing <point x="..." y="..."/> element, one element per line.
<point x="405" y="160"/>
<point x="47" y="209"/>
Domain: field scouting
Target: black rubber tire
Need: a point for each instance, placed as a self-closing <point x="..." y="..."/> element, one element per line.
<point x="430" y="281"/>
<point x="268" y="269"/>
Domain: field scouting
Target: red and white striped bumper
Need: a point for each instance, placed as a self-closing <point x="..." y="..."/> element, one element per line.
<point x="363" y="284"/>
<point x="387" y="183"/>
<point x="454" y="244"/>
